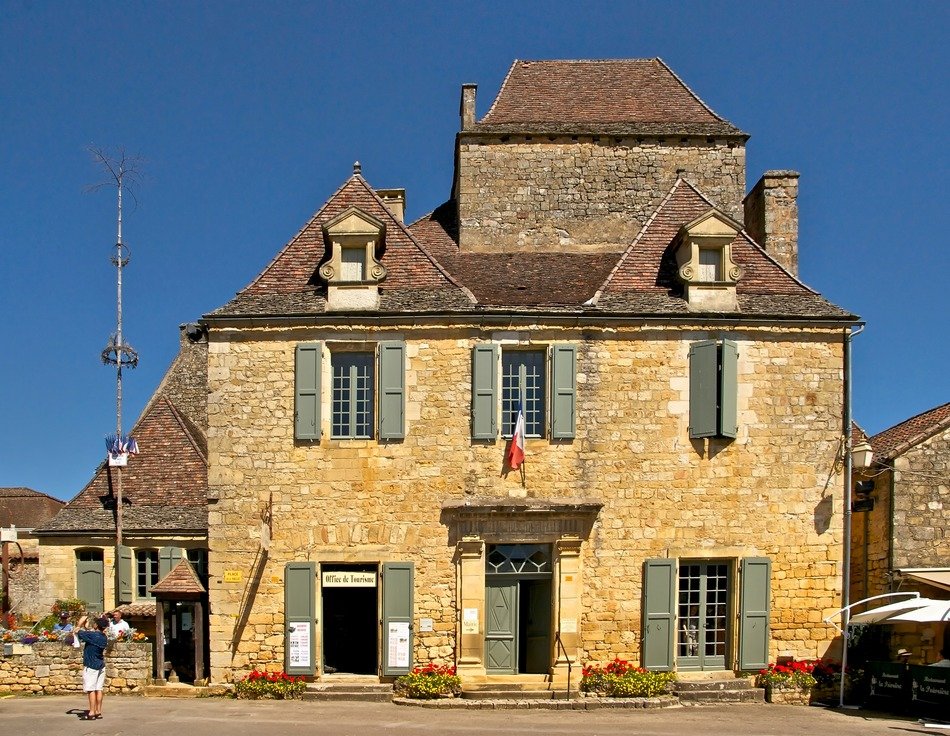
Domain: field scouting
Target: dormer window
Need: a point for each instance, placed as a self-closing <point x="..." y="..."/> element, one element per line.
<point x="353" y="271"/>
<point x="353" y="264"/>
<point x="705" y="265"/>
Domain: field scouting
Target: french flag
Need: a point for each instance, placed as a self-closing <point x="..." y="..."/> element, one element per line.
<point x="516" y="448"/>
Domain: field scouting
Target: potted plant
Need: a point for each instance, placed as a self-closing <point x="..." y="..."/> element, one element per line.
<point x="790" y="683"/>
<point x="620" y="679"/>
<point x="431" y="681"/>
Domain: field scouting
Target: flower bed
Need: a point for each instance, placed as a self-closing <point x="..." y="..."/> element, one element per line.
<point x="800" y="682"/>
<point x="270" y="686"/>
<point x="428" y="682"/>
<point x="620" y="679"/>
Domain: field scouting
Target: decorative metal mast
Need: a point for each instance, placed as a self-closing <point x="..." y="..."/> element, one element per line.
<point x="117" y="352"/>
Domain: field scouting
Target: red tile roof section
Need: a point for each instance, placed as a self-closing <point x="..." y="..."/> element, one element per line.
<point x="596" y="91"/>
<point x="25" y="508"/>
<point x="170" y="469"/>
<point x="407" y="262"/>
<point x="649" y="264"/>
<point x="895" y="441"/>
<point x="181" y="579"/>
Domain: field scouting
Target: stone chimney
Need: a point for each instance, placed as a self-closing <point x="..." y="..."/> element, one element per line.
<point x="395" y="201"/>
<point x="771" y="216"/>
<point x="467" y="106"/>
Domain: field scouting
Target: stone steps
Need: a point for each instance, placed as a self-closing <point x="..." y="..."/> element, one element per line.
<point x="717" y="690"/>
<point x="374" y="693"/>
<point x="536" y="689"/>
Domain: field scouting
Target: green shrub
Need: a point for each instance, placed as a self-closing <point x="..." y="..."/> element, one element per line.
<point x="270" y="686"/>
<point x="431" y="681"/>
<point x="620" y="679"/>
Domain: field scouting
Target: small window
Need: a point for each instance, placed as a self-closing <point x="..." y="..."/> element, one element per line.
<point x="710" y="264"/>
<point x="353" y="382"/>
<point x="146" y="572"/>
<point x="198" y="559"/>
<point x="522" y="378"/>
<point x="353" y="264"/>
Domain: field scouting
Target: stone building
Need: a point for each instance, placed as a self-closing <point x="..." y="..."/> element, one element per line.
<point x="164" y="514"/>
<point x="21" y="511"/>
<point x="902" y="540"/>
<point x="600" y="270"/>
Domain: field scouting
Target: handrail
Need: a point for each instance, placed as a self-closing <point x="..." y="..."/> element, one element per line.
<point x="560" y="644"/>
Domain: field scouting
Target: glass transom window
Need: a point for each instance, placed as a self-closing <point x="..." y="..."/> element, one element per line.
<point x="146" y="572"/>
<point x="522" y="377"/>
<point x="352" y="395"/>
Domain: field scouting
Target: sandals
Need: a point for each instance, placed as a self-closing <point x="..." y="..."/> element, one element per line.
<point x="87" y="717"/>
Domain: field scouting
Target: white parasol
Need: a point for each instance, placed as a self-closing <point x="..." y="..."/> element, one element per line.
<point x="930" y="612"/>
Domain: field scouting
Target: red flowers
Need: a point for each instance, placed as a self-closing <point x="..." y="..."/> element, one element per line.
<point x="256" y="676"/>
<point x="435" y="669"/>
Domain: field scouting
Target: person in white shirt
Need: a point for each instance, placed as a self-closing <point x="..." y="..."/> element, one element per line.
<point x="945" y="662"/>
<point x="118" y="625"/>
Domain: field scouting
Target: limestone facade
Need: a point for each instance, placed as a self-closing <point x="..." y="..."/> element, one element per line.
<point x="656" y="493"/>
<point x="582" y="193"/>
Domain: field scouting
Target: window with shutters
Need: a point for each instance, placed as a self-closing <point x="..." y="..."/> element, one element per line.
<point x="522" y="381"/>
<point x="543" y="381"/>
<point x="146" y="572"/>
<point x="352" y="398"/>
<point x="365" y="390"/>
<point x="713" y="389"/>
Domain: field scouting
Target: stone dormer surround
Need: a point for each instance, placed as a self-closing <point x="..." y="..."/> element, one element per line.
<point x="353" y="271"/>
<point x="705" y="264"/>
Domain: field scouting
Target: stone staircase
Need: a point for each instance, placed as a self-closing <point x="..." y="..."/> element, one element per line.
<point x="349" y="688"/>
<point x="701" y="689"/>
<point x="517" y="687"/>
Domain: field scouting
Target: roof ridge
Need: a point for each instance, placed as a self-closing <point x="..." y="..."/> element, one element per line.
<point x="186" y="428"/>
<point x="689" y="89"/>
<point x="500" y="89"/>
<point x="300" y="232"/>
<point x="629" y="249"/>
<point x="405" y="229"/>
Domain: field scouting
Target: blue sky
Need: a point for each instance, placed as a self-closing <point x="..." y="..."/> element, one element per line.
<point x="250" y="114"/>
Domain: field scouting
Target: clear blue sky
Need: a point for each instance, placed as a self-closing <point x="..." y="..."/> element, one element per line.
<point x="250" y="114"/>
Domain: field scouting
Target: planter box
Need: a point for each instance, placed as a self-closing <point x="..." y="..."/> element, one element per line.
<point x="787" y="695"/>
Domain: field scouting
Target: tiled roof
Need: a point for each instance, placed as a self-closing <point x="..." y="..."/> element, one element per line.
<point x="289" y="284"/>
<point x="645" y="278"/>
<point x="599" y="96"/>
<point x="26" y="508"/>
<point x="164" y="487"/>
<point x="641" y="281"/>
<point x="137" y="610"/>
<point x="181" y="579"/>
<point x="895" y="441"/>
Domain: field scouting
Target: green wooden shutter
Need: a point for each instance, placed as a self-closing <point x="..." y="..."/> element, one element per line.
<point x="300" y="617"/>
<point x="703" y="387"/>
<point x="658" y="576"/>
<point x="89" y="577"/>
<point x="123" y="574"/>
<point x="728" y="389"/>
<point x="485" y="392"/>
<point x="754" y="584"/>
<point x="168" y="557"/>
<point x="563" y="391"/>
<point x="392" y="390"/>
<point x="397" y="618"/>
<point x="307" y="391"/>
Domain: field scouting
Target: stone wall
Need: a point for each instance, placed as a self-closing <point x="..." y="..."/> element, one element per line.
<point x="772" y="492"/>
<point x="870" y="534"/>
<point x="54" y="668"/>
<point x="922" y="504"/>
<point x="582" y="193"/>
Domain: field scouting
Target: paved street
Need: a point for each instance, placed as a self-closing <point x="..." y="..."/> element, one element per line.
<point x="132" y="716"/>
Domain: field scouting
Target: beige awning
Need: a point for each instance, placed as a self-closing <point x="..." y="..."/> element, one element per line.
<point x="938" y="577"/>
